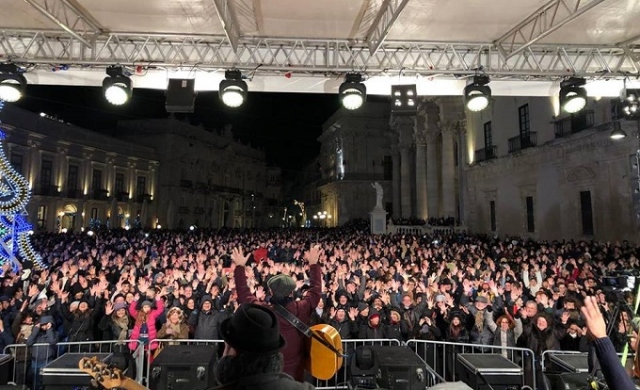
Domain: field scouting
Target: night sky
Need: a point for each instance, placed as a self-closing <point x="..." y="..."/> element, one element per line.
<point x="285" y="125"/>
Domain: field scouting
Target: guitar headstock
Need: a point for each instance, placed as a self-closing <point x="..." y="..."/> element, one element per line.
<point x="103" y="375"/>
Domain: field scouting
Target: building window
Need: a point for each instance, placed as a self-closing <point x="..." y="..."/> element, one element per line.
<point x="72" y="178"/>
<point x="586" y="212"/>
<point x="94" y="214"/>
<point x="42" y="217"/>
<point x="16" y="162"/>
<point x="96" y="180"/>
<point x="488" y="136"/>
<point x="492" y="208"/>
<point x="531" y="227"/>
<point x="119" y="184"/>
<point x="387" y="164"/>
<point x="523" y="115"/>
<point x="46" y="174"/>
<point x="141" y="185"/>
<point x="455" y="154"/>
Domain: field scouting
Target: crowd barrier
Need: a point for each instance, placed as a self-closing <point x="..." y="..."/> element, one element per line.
<point x="420" y="230"/>
<point x="22" y="366"/>
<point x="441" y="356"/>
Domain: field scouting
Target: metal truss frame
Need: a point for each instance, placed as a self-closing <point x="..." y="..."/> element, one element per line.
<point x="385" y="19"/>
<point x="226" y="13"/>
<point x="541" y="23"/>
<point x="69" y="16"/>
<point x="443" y="59"/>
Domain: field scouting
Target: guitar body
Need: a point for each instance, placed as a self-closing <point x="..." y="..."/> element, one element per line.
<point x="321" y="362"/>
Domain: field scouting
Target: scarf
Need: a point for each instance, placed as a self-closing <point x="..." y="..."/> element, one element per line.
<point x="123" y="324"/>
<point x="480" y="320"/>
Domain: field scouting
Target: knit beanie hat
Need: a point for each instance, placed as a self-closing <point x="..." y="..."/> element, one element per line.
<point x="281" y="285"/>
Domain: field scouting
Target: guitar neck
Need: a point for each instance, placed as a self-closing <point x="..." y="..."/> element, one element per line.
<point x="130" y="384"/>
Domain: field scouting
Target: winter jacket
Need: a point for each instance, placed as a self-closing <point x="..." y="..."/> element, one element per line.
<point x="151" y="324"/>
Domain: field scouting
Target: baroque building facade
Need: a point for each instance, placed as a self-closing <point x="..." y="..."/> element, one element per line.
<point x="416" y="158"/>
<point x="539" y="173"/>
<point x="79" y="178"/>
<point x="207" y="179"/>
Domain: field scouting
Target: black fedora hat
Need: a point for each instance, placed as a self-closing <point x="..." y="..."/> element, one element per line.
<point x="253" y="328"/>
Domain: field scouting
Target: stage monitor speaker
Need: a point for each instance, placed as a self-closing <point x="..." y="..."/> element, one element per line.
<point x="181" y="95"/>
<point x="64" y="373"/>
<point x="488" y="371"/>
<point x="183" y="367"/>
<point x="399" y="368"/>
<point x="569" y="381"/>
<point x="364" y="368"/>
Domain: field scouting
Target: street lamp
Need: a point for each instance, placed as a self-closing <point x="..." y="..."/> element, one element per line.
<point x="322" y="216"/>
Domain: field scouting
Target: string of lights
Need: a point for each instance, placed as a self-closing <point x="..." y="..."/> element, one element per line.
<point x="15" y="245"/>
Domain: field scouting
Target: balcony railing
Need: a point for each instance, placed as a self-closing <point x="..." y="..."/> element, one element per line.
<point x="100" y="194"/>
<point x="523" y="141"/>
<point x="486" y="153"/>
<point x="122" y="196"/>
<point x="574" y="124"/>
<point x="74" y="193"/>
<point x="142" y="197"/>
<point x="47" y="190"/>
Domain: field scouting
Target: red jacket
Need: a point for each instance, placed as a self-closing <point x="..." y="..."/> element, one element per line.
<point x="151" y="324"/>
<point x="293" y="352"/>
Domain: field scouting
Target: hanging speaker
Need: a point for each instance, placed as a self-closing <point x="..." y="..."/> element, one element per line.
<point x="181" y="95"/>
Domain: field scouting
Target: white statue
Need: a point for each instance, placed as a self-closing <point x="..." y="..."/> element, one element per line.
<point x="379" y="194"/>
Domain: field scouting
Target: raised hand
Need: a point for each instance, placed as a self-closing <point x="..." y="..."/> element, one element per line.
<point x="313" y="254"/>
<point x="593" y="317"/>
<point x="238" y="257"/>
<point x="108" y="308"/>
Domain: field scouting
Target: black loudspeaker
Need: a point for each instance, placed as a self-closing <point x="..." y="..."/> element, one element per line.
<point x="399" y="368"/>
<point x="64" y="373"/>
<point x="181" y="95"/>
<point x="183" y="367"/>
<point x="569" y="381"/>
<point x="364" y="368"/>
<point x="488" y="371"/>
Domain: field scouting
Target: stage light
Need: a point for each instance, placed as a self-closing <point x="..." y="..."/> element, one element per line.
<point x="477" y="93"/>
<point x="12" y="83"/>
<point x="617" y="132"/>
<point x="352" y="92"/>
<point x="117" y="87"/>
<point x="233" y="90"/>
<point x="629" y="104"/>
<point x="404" y="99"/>
<point x="573" y="96"/>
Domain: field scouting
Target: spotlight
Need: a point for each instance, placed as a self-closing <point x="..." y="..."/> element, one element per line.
<point x="477" y="93"/>
<point x="617" y="132"/>
<point x="404" y="99"/>
<point x="12" y="83"/>
<point x="90" y="233"/>
<point x="630" y="104"/>
<point x="573" y="96"/>
<point x="352" y="92"/>
<point x="117" y="87"/>
<point x="233" y="90"/>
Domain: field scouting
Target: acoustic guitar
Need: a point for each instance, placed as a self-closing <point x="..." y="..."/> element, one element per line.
<point x="106" y="376"/>
<point x="324" y="352"/>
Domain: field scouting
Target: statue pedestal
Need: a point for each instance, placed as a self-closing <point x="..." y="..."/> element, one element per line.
<point x="378" y="219"/>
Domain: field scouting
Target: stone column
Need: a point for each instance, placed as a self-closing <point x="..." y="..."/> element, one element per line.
<point x="404" y="125"/>
<point x="448" y="171"/>
<point x="433" y="190"/>
<point x="396" y="182"/>
<point x="421" y="175"/>
<point x="462" y="180"/>
<point x="35" y="159"/>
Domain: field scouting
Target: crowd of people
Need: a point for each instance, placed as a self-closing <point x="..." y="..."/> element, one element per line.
<point x="132" y="285"/>
<point x="438" y="222"/>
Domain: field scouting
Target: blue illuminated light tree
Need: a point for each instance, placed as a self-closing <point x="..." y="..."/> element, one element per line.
<point x="15" y="245"/>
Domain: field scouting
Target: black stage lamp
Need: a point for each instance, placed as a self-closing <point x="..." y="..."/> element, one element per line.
<point x="477" y="94"/>
<point x="233" y="90"/>
<point x="352" y="92"/>
<point x="12" y="83"/>
<point x="117" y="87"/>
<point x="573" y="96"/>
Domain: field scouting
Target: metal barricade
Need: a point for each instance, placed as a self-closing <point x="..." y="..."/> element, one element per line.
<point x="341" y="379"/>
<point x="23" y="357"/>
<point x="441" y="356"/>
<point x="149" y="352"/>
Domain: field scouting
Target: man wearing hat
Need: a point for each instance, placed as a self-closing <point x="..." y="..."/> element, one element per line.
<point x="42" y="333"/>
<point x="252" y="358"/>
<point x="281" y="288"/>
